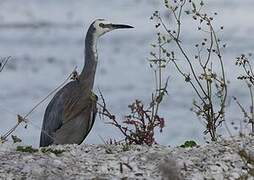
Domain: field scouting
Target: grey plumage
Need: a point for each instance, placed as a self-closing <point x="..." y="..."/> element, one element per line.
<point x="70" y="115"/>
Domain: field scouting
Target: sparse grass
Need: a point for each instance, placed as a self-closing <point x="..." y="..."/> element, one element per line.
<point x="27" y="149"/>
<point x="189" y="144"/>
<point x="30" y="149"/>
<point x="54" y="151"/>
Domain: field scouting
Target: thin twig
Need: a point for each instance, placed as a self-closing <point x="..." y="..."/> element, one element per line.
<point x="24" y="118"/>
<point x="4" y="62"/>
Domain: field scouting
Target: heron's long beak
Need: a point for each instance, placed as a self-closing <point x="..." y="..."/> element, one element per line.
<point x="121" y="26"/>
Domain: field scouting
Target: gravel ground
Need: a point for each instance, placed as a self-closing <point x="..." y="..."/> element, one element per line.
<point x="219" y="160"/>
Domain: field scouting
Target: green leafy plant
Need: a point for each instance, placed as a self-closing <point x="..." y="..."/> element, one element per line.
<point x="28" y="149"/>
<point x="189" y="144"/>
<point x="54" y="151"/>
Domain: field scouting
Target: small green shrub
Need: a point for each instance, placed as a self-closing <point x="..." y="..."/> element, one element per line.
<point x="54" y="151"/>
<point x="28" y="149"/>
<point x="189" y="144"/>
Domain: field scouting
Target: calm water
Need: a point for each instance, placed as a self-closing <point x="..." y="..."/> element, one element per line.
<point x="46" y="41"/>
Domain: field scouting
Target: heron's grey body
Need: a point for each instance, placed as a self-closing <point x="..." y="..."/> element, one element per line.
<point x="71" y="113"/>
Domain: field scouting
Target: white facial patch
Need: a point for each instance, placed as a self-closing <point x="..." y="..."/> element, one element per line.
<point x="100" y="30"/>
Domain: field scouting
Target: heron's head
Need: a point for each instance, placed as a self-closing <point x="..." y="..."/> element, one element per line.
<point x="102" y="26"/>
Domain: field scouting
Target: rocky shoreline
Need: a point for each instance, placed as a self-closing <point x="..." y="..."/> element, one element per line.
<point x="226" y="159"/>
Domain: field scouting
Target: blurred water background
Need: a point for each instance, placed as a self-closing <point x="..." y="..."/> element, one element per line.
<point x="46" y="41"/>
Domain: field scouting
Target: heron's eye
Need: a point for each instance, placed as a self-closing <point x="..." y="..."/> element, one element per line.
<point x="102" y="25"/>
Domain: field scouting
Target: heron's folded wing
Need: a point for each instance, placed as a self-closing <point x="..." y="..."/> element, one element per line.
<point x="92" y="117"/>
<point x="52" y="120"/>
<point x="78" y="118"/>
<point x="77" y="103"/>
<point x="69" y="103"/>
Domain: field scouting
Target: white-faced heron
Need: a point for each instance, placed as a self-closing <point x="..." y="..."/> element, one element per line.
<point x="70" y="115"/>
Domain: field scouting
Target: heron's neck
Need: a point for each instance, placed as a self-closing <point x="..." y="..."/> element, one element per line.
<point x="91" y="58"/>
